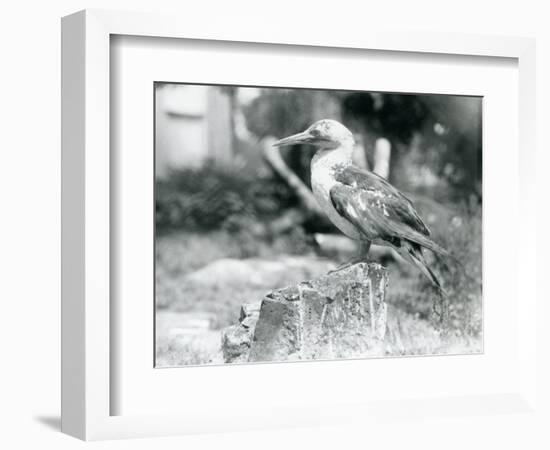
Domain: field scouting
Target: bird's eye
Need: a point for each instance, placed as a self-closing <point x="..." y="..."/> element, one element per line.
<point x="315" y="132"/>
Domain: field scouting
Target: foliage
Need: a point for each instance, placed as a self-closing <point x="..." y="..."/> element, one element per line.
<point x="213" y="197"/>
<point x="446" y="129"/>
<point x="395" y="116"/>
<point x="282" y="112"/>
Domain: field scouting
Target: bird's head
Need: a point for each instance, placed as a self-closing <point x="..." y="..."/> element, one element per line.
<point x="326" y="134"/>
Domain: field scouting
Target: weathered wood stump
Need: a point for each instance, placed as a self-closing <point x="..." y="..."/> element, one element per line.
<point x="338" y="315"/>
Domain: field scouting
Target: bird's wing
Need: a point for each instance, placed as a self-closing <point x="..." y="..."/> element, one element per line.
<point x="381" y="218"/>
<point x="381" y="196"/>
<point x="378" y="209"/>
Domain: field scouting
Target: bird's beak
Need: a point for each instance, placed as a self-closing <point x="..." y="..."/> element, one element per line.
<point x="299" y="138"/>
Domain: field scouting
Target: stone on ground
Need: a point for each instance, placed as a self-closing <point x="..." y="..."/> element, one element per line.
<point x="338" y="315"/>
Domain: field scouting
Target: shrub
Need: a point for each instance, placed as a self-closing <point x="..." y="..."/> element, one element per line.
<point x="213" y="198"/>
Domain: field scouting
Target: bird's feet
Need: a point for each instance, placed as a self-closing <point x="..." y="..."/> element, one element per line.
<point x="360" y="257"/>
<point x="349" y="263"/>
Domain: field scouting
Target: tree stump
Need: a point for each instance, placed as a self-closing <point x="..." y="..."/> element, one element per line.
<point x="338" y="315"/>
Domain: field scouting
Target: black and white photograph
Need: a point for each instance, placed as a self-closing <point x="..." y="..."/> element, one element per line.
<point x="298" y="224"/>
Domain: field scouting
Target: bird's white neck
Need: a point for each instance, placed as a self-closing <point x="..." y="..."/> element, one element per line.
<point x="327" y="159"/>
<point x="324" y="167"/>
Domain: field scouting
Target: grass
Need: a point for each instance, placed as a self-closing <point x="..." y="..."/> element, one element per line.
<point x="413" y="328"/>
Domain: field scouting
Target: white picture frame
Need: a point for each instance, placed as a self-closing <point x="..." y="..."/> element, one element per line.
<point x="87" y="319"/>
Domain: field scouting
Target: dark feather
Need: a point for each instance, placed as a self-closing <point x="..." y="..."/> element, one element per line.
<point x="416" y="257"/>
<point x="379" y="210"/>
<point x="373" y="187"/>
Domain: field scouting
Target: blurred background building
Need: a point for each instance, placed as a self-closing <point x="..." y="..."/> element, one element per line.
<point x="193" y="124"/>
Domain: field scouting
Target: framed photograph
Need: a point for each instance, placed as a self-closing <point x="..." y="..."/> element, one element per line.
<point x="265" y="229"/>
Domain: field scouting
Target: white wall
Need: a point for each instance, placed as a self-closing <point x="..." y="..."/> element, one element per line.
<point x="193" y="124"/>
<point x="29" y="177"/>
<point x="181" y="135"/>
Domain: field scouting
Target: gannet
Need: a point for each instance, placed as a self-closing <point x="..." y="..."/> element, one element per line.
<point x="363" y="205"/>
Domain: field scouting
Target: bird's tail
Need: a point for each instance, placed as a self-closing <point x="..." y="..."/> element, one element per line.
<point x="424" y="241"/>
<point x="441" y="307"/>
<point x="449" y="260"/>
<point x="414" y="253"/>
